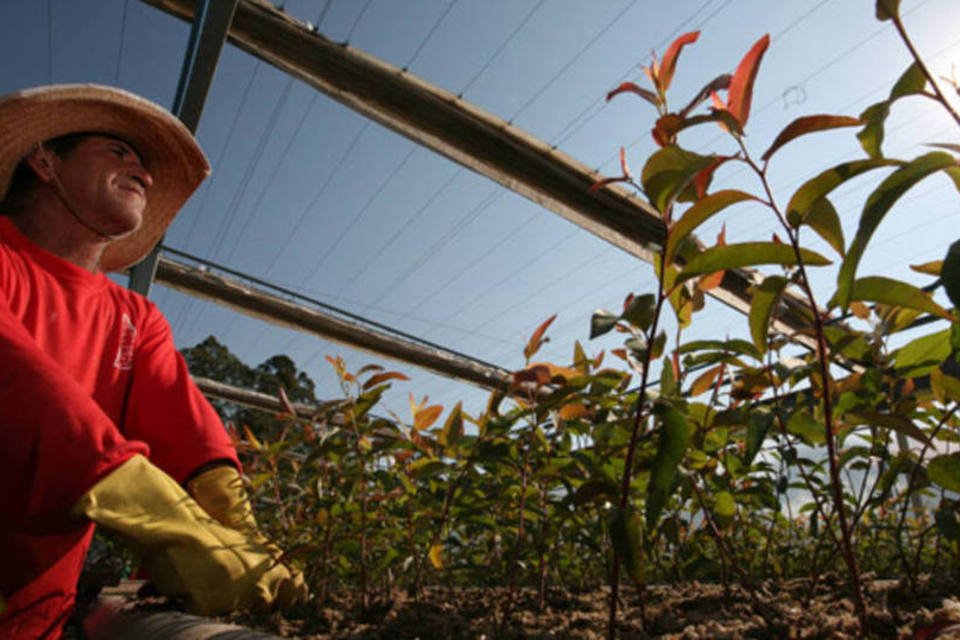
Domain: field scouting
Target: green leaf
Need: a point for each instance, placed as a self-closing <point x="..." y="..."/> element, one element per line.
<point x="871" y="136"/>
<point x="624" y="527"/>
<point x="698" y="214"/>
<point x="887" y="9"/>
<point x="674" y="439"/>
<point x="668" y="171"/>
<point x="757" y="427"/>
<point x="723" y="505"/>
<point x="894" y="292"/>
<point x="821" y="185"/>
<point x="747" y="254"/>
<point x="945" y="387"/>
<point x="601" y="322"/>
<point x="878" y="204"/>
<point x="944" y="470"/>
<point x="599" y="491"/>
<point x="453" y="427"/>
<point x="808" y="124"/>
<point x="948" y="523"/>
<point x="822" y="217"/>
<point x="668" y="383"/>
<point x="733" y="345"/>
<point x="919" y="356"/>
<point x="765" y="298"/>
<point x="807" y="428"/>
<point x="659" y="342"/>
<point x="639" y="312"/>
<point x="911" y="82"/>
<point x="895" y="421"/>
<point x="950" y="274"/>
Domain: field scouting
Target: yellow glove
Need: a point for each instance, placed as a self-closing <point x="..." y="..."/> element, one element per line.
<point x="218" y="569"/>
<point x="221" y="493"/>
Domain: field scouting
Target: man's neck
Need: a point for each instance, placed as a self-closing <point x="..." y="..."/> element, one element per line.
<point x="52" y="227"/>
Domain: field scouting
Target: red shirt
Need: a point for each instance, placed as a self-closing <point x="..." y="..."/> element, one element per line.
<point x="89" y="376"/>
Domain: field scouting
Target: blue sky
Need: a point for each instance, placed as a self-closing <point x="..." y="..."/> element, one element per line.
<point x="309" y="195"/>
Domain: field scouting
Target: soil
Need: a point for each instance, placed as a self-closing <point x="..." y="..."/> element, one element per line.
<point x="683" y="611"/>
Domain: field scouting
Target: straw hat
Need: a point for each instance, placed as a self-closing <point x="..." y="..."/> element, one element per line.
<point x="166" y="146"/>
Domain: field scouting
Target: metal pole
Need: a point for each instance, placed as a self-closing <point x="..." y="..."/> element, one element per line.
<point x="209" y="32"/>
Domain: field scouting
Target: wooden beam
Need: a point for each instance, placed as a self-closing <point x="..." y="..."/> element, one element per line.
<point x="250" y="398"/>
<point x="465" y="133"/>
<point x="266" y="306"/>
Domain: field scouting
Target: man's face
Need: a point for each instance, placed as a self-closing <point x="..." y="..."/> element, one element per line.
<point x="105" y="180"/>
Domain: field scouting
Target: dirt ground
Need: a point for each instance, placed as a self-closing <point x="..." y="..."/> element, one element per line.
<point x="682" y="611"/>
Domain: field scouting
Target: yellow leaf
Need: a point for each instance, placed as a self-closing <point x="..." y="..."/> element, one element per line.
<point x="706" y="380"/>
<point x="425" y="417"/>
<point x="573" y="411"/>
<point x="436" y="556"/>
<point x="860" y="310"/>
<point x="929" y="268"/>
<point x="252" y="439"/>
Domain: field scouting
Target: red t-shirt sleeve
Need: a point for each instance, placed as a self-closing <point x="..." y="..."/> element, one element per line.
<point x="55" y="441"/>
<point x="166" y="410"/>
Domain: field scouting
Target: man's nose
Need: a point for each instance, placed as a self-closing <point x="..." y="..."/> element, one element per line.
<point x="140" y="173"/>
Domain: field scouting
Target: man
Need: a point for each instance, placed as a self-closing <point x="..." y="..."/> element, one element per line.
<point x="99" y="420"/>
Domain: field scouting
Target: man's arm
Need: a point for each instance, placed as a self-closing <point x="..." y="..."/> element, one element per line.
<point x="166" y="410"/>
<point x="55" y="441"/>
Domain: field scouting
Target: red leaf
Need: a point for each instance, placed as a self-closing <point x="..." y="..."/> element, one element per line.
<point x="545" y="373"/>
<point x="536" y="340"/>
<point x="776" y="239"/>
<point x="720" y="83"/>
<point x="713" y="280"/>
<point x="666" y="129"/>
<point x="630" y="87"/>
<point x="740" y="93"/>
<point x="376" y="379"/>
<point x="710" y="281"/>
<point x="600" y="184"/>
<point x="623" y="163"/>
<point x="669" y="63"/>
<point x="701" y="181"/>
<point x="620" y="353"/>
<point x="808" y="124"/>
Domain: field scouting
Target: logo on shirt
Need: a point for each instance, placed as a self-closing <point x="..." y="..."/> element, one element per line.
<point x="128" y="339"/>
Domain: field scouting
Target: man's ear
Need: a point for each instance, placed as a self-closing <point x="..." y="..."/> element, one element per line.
<point x="41" y="161"/>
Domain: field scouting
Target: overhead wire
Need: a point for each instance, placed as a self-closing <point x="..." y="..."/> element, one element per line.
<point x="123" y="31"/>
<point x="339" y="311"/>
<point x="232" y="210"/>
<point x="356" y="21"/>
<point x="581" y="120"/>
<point x="208" y="186"/>
<point x="396" y="234"/>
<point x="499" y="191"/>
<point x="433" y="29"/>
<point x="785" y="30"/>
<point x="556" y="76"/>
<point x="50" y="41"/>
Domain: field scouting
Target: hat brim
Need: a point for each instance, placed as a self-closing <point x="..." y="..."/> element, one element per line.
<point x="167" y="148"/>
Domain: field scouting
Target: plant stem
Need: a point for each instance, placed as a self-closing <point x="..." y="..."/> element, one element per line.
<point x="638" y="422"/>
<point x="898" y="23"/>
<point x="823" y="360"/>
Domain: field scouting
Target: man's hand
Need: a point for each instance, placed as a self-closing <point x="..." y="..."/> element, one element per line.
<point x="187" y="553"/>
